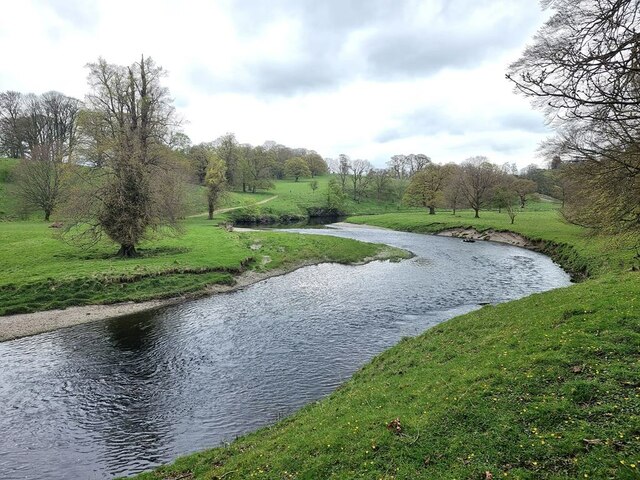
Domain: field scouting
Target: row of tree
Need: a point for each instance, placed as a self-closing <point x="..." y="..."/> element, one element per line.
<point x="249" y="168"/>
<point x="476" y="184"/>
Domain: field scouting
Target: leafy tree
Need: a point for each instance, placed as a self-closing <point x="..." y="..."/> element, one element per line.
<point x="335" y="198"/>
<point x="255" y="168"/>
<point x="215" y="181"/>
<point x="426" y="186"/>
<point x="317" y="165"/>
<point x="296" y="167"/>
<point x="478" y="177"/>
<point x="344" y="167"/>
<point x="41" y="180"/>
<point x="313" y="185"/>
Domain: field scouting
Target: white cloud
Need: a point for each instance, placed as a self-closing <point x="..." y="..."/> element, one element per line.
<point x="369" y="78"/>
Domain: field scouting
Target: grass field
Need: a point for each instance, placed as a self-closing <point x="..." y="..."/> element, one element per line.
<point x="40" y="272"/>
<point x="547" y="387"/>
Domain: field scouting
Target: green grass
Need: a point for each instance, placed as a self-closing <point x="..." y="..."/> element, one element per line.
<point x="40" y="272"/>
<point x="296" y="199"/>
<point x="546" y="387"/>
<point x="8" y="201"/>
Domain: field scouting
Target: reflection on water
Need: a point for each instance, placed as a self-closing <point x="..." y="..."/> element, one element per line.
<point x="120" y="396"/>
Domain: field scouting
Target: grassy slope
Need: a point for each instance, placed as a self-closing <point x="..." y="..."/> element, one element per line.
<point x="294" y="198"/>
<point x="39" y="272"/>
<point x="543" y="387"/>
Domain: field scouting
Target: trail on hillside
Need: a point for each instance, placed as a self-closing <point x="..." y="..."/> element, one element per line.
<point x="225" y="210"/>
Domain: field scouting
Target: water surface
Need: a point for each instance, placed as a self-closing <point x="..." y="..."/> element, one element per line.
<point x="120" y="396"/>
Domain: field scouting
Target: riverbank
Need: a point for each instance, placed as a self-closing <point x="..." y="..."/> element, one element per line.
<point x="47" y="284"/>
<point x="543" y="387"/>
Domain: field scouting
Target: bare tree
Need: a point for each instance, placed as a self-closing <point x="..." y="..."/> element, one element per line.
<point x="359" y="178"/>
<point x="583" y="71"/>
<point x="140" y="191"/>
<point x="40" y="179"/>
<point x="477" y="179"/>
<point x="381" y="182"/>
<point x="452" y="190"/>
<point x="12" y="124"/>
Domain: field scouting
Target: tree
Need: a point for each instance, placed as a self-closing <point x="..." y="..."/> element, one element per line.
<point x="139" y="190"/>
<point x="40" y="180"/>
<point x="255" y="168"/>
<point x="317" y="165"/>
<point x="452" y="190"/>
<point x="359" y="177"/>
<point x="296" y="167"/>
<point x="380" y="181"/>
<point x="335" y="198"/>
<point x="47" y="135"/>
<point x="12" y="121"/>
<point x="344" y="167"/>
<point x="313" y="185"/>
<point x="477" y="179"/>
<point x="523" y="187"/>
<point x="425" y="187"/>
<point x="227" y="149"/>
<point x="582" y="70"/>
<point x="215" y="181"/>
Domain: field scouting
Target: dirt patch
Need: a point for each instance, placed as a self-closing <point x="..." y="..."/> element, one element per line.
<point x="487" y="235"/>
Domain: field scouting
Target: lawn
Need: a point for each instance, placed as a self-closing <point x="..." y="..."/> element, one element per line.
<point x="39" y="271"/>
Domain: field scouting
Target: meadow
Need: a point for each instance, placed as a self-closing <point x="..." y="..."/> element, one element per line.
<point x="546" y="387"/>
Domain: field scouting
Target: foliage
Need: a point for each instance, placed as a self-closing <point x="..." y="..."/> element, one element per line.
<point x="425" y="187"/>
<point x="215" y="181"/>
<point x="296" y="167"/>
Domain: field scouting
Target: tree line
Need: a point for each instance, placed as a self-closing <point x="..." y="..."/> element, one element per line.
<point x="582" y="71"/>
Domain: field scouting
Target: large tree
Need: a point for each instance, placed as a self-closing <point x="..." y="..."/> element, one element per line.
<point x="47" y="134"/>
<point x="583" y="71"/>
<point x="296" y="167"/>
<point x="215" y="181"/>
<point x="478" y="177"/>
<point x="138" y="191"/>
<point x="426" y="187"/>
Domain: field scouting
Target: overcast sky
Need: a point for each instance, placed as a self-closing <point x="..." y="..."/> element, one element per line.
<point x="369" y="78"/>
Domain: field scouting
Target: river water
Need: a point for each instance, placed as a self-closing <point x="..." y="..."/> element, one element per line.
<point x="120" y="396"/>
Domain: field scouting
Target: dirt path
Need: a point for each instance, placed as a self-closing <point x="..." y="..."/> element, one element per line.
<point x="225" y="210"/>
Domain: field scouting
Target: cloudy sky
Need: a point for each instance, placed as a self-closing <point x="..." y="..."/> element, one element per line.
<point x="369" y="78"/>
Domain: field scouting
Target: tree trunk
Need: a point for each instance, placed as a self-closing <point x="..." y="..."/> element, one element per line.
<point x="127" y="251"/>
<point x="47" y="214"/>
<point x="477" y="215"/>
<point x="432" y="210"/>
<point x="244" y="187"/>
<point x="211" y="210"/>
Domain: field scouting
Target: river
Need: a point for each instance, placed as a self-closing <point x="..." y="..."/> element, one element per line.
<point x="121" y="396"/>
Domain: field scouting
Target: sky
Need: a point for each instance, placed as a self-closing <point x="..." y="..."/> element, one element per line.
<point x="368" y="78"/>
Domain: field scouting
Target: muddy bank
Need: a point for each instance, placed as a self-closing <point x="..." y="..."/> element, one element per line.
<point x="488" y="235"/>
<point x="26" y="324"/>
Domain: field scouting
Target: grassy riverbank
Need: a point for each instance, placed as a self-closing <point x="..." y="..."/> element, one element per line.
<point x="40" y="272"/>
<point x="543" y="387"/>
